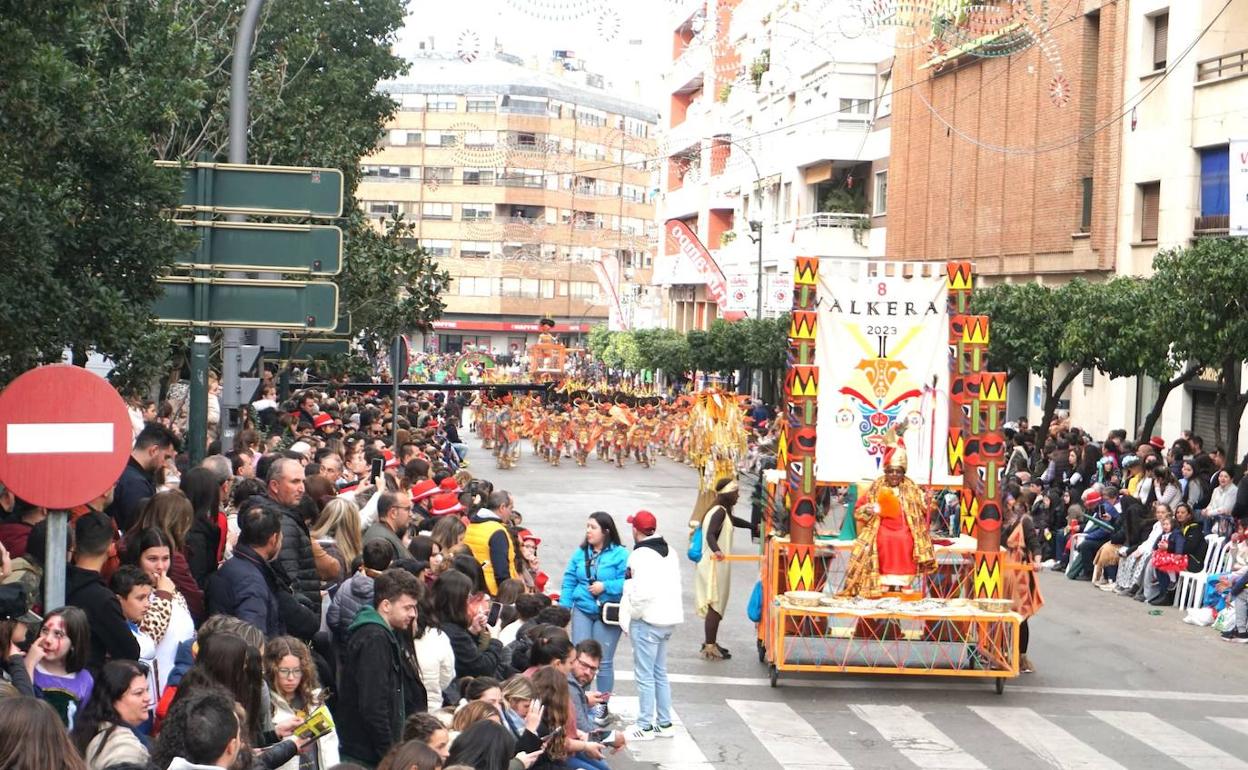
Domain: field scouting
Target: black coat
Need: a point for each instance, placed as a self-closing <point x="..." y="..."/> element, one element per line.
<point x="111" y="638"/>
<point x="371" y="690"/>
<point x="244" y="588"/>
<point x="134" y="486"/>
<point x="472" y="658"/>
<point x="296" y="555"/>
<point x="201" y="549"/>
<point x="1134" y="523"/>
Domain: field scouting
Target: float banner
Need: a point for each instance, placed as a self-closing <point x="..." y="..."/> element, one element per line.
<point x="882" y="350"/>
<point x="690" y="247"/>
<point x="1239" y="187"/>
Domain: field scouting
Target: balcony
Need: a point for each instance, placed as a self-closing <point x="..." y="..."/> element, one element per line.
<point x="1228" y="65"/>
<point x="1213" y="225"/>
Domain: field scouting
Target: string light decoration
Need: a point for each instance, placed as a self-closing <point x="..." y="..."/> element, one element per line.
<point x="555" y="10"/>
<point x="468" y="46"/>
<point x="476" y="155"/>
<point x="608" y="24"/>
<point x="951" y="29"/>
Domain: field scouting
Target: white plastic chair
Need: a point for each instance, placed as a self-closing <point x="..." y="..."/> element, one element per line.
<point x="1191" y="593"/>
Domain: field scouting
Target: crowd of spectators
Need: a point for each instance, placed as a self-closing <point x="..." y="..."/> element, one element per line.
<point x="223" y="615"/>
<point x="1137" y="518"/>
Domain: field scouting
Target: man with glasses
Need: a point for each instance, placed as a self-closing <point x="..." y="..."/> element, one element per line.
<point x="584" y="668"/>
<point x="394" y="513"/>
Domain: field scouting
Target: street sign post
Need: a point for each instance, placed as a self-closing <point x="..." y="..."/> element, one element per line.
<point x="312" y="249"/>
<point x="264" y="191"/>
<point x="242" y="303"/>
<point x="65" y="437"/>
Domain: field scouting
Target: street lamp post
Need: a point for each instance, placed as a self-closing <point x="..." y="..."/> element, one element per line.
<point x="756" y="236"/>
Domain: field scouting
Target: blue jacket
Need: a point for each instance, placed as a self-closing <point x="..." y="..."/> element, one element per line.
<point x="243" y="588"/>
<point x="609" y="569"/>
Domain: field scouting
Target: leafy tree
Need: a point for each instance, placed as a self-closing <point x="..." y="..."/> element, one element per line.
<point x="671" y="354"/>
<point x="1037" y="328"/>
<point x="390" y="288"/>
<point x="1144" y="319"/>
<point x="82" y="236"/>
<point x="598" y="340"/>
<point x="1207" y="284"/>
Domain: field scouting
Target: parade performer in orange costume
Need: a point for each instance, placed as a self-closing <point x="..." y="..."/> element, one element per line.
<point x="894" y="543"/>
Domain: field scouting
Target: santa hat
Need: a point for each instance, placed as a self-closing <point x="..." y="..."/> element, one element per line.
<point x="321" y="420"/>
<point x="391" y="460"/>
<point x="445" y="505"/>
<point x="1091" y="499"/>
<point x="423" y="489"/>
<point x="449" y="485"/>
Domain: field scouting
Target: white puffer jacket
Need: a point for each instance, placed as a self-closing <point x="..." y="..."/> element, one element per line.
<point x="652" y="588"/>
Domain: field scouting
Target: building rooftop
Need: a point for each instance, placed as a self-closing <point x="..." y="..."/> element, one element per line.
<point x="444" y="73"/>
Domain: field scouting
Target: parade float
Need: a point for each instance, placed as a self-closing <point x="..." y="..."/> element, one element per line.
<point x="889" y="409"/>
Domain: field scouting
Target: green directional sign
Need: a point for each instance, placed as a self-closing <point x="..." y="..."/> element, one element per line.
<point x="292" y="350"/>
<point x="313" y="249"/>
<point x="343" y="329"/>
<point x="250" y="304"/>
<point x="278" y="191"/>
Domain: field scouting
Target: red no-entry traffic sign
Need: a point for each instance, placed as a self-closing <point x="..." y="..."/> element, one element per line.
<point x="65" y="436"/>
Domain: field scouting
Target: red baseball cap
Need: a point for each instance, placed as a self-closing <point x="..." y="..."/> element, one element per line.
<point x="527" y="537"/>
<point x="644" y="521"/>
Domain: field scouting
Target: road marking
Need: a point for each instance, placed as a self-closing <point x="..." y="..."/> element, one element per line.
<point x="786" y="736"/>
<point x="59" y="438"/>
<point x="1240" y="725"/>
<point x="679" y="752"/>
<point x="917" y="739"/>
<point x="1184" y="748"/>
<point x="1057" y="747"/>
<point x="943" y="685"/>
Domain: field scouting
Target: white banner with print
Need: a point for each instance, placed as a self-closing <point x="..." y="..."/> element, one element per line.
<point x="882" y="351"/>
<point x="1239" y="187"/>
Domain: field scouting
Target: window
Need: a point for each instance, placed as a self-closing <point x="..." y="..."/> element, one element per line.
<point x="1161" y="33"/>
<point x="401" y="137"/>
<point x="444" y="140"/>
<point x="475" y="286"/>
<point x="382" y="208"/>
<point x="547" y="289"/>
<point x="441" y="211"/>
<point x="437" y="248"/>
<point x="526" y="105"/>
<point x="477" y="212"/>
<point x="411" y="102"/>
<point x="475" y="249"/>
<point x="441" y="104"/>
<point x="480" y="138"/>
<point x="1149" y="211"/>
<point x="438" y="173"/>
<point x="583" y="290"/>
<point x="1215" y="181"/>
<point x="854" y="114"/>
<point x="477" y="176"/>
<point x="587" y="118"/>
<point x="481" y="104"/>
<point x="1085" y="210"/>
<point x="879" y="202"/>
<point x="387" y="173"/>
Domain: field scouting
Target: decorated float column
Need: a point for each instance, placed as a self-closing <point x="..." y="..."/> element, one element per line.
<point x="797" y="440"/>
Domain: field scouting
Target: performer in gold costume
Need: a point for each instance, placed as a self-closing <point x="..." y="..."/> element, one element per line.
<point x="894" y="542"/>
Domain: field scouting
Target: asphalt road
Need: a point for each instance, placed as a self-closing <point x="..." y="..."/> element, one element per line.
<point x="1115" y="687"/>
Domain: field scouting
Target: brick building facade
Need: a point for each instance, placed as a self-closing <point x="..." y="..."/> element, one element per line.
<point x="985" y="165"/>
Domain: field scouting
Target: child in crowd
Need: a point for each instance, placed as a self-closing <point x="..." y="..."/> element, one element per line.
<point x="134" y="590"/>
<point x="57" y="662"/>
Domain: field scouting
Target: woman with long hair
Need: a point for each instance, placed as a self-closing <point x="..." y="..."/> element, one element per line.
<point x="168" y="618"/>
<point x="171" y="512"/>
<point x="1021" y="539"/>
<point x="485" y="745"/>
<point x="594" y="577"/>
<point x="448" y="532"/>
<point x="104" y="730"/>
<point x="294" y="693"/>
<point x="550" y="686"/>
<point x="225" y="660"/>
<point x="337" y="529"/>
<point x="412" y="755"/>
<point x="462" y="617"/>
<point x="33" y="738"/>
<point x="434" y="655"/>
<point x="424" y="548"/>
<point x="205" y="544"/>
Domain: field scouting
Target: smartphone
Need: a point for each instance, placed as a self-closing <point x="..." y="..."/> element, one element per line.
<point x="377" y="469"/>
<point x="555" y="733"/>
<point x="496" y="609"/>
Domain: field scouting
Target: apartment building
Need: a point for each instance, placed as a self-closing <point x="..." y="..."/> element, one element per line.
<point x="530" y="183"/>
<point x="991" y="163"/>
<point x="770" y="136"/>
